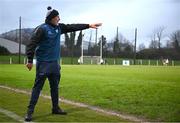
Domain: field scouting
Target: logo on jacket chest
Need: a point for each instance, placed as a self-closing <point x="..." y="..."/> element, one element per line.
<point x="54" y="32"/>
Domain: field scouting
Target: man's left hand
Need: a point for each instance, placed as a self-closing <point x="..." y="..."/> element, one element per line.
<point x="95" y="25"/>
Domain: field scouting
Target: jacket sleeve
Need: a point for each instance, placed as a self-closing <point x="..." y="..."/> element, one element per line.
<point x="65" y="28"/>
<point x="35" y="39"/>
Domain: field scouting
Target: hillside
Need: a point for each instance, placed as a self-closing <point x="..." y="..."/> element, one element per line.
<point x="13" y="35"/>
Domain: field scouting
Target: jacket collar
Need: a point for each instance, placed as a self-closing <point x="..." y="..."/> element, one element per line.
<point x="49" y="23"/>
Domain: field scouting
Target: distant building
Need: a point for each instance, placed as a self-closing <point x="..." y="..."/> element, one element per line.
<point x="12" y="46"/>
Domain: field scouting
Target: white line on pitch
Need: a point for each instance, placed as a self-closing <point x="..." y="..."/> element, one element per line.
<point x="108" y="112"/>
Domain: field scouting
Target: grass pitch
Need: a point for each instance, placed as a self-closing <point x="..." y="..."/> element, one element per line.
<point x="17" y="103"/>
<point x="144" y="91"/>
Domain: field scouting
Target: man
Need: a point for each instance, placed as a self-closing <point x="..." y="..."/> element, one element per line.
<point x="45" y="44"/>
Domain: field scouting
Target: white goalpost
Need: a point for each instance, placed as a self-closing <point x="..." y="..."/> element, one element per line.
<point x="90" y="59"/>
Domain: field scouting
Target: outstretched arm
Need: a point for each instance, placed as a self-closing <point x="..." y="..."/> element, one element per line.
<point x="65" y="28"/>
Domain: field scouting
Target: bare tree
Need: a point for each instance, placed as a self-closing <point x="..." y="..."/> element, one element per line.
<point x="153" y="44"/>
<point x="159" y="35"/>
<point x="175" y="37"/>
<point x="141" y="47"/>
<point x="169" y="44"/>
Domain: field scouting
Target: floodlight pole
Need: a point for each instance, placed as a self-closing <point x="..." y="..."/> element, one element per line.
<point x="81" y="51"/>
<point x="96" y="35"/>
<point x="135" y="46"/>
<point x="101" y="47"/>
<point x="96" y="41"/>
<point x="117" y="33"/>
<point x="19" y="39"/>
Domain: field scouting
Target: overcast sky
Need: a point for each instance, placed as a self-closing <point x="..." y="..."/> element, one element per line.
<point x="146" y="15"/>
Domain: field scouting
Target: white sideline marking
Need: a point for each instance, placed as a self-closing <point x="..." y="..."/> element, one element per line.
<point x="12" y="115"/>
<point x="108" y="112"/>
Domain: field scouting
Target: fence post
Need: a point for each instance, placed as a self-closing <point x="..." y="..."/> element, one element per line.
<point x="114" y="61"/>
<point x="172" y="63"/>
<point x="24" y="60"/>
<point x="132" y="61"/>
<point x="149" y="62"/>
<point x="10" y="60"/>
<point x="61" y="61"/>
<point x="157" y="62"/>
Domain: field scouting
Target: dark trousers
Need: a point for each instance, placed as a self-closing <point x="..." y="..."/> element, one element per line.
<point x="50" y="70"/>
